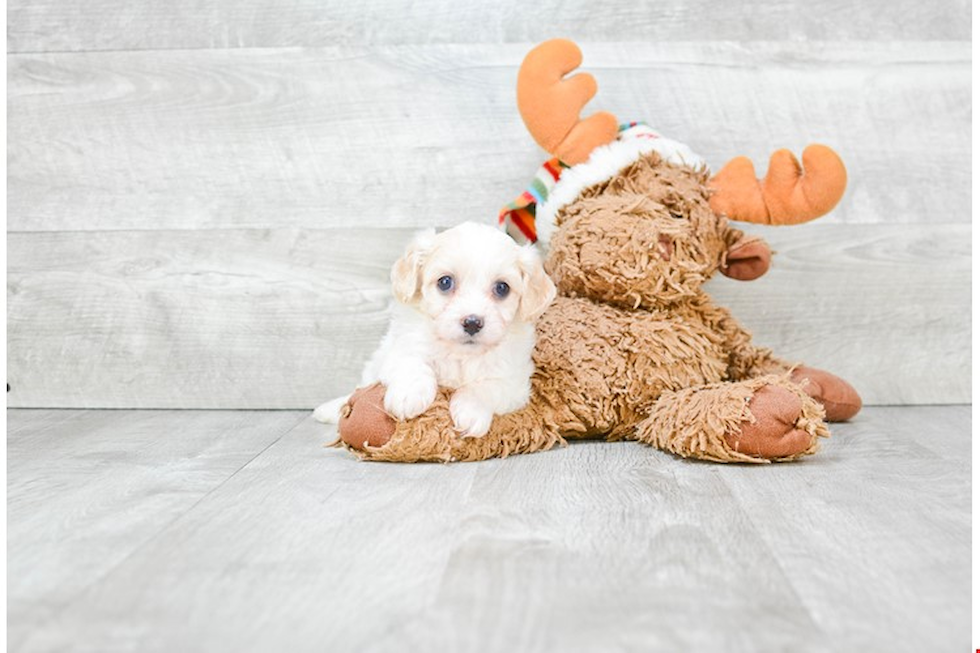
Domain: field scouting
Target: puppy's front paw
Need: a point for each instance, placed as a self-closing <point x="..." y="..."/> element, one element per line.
<point x="406" y="400"/>
<point x="470" y="417"/>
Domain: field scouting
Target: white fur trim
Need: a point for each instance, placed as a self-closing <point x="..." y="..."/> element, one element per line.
<point x="604" y="162"/>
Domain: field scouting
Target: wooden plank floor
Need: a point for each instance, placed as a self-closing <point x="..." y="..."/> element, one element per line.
<point x="236" y="531"/>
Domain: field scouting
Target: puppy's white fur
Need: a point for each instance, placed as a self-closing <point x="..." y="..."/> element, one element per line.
<point x="426" y="345"/>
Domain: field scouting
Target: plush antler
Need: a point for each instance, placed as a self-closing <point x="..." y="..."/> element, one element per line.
<point x="550" y="105"/>
<point x="790" y="194"/>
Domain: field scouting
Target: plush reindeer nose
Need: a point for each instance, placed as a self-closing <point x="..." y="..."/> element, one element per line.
<point x="472" y="324"/>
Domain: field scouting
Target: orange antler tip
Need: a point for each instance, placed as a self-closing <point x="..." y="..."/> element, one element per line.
<point x="550" y="104"/>
<point x="789" y="194"/>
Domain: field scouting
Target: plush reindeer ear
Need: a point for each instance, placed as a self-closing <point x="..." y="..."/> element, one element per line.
<point x="406" y="273"/>
<point x="747" y="259"/>
<point x="539" y="290"/>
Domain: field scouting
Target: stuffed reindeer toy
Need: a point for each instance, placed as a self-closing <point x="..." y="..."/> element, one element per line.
<point x="633" y="348"/>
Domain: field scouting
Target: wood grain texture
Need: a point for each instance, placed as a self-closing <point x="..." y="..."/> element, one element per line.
<point x="285" y="318"/>
<point x="87" y="489"/>
<point x="906" y="515"/>
<point x="35" y="421"/>
<point x="597" y="546"/>
<point x="885" y="307"/>
<point x="299" y="537"/>
<point x="414" y="135"/>
<point x="184" y="319"/>
<point x="40" y="26"/>
<point x="608" y="548"/>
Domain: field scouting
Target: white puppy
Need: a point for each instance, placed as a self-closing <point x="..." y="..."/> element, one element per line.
<point x="467" y="301"/>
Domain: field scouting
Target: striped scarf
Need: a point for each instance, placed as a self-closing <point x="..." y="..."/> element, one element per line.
<point x="517" y="218"/>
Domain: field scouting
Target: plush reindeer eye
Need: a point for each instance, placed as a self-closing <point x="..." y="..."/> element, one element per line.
<point x="501" y="289"/>
<point x="445" y="283"/>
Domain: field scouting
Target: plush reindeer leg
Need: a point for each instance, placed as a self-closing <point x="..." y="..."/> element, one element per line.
<point x="758" y="420"/>
<point x="838" y="398"/>
<point x="371" y="434"/>
<point x="746" y="361"/>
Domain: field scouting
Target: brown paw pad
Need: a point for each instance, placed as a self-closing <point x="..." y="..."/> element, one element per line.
<point x="773" y="434"/>
<point x="839" y="399"/>
<point x="363" y="420"/>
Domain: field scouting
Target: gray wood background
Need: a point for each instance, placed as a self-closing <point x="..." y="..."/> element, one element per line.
<point x="204" y="199"/>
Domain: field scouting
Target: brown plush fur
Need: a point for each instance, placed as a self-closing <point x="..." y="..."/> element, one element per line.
<point x="633" y="348"/>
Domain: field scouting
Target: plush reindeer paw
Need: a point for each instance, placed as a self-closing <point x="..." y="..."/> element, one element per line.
<point x="840" y="401"/>
<point x="774" y="433"/>
<point x="363" y="419"/>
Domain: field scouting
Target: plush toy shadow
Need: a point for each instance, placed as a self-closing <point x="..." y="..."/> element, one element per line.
<point x="633" y="348"/>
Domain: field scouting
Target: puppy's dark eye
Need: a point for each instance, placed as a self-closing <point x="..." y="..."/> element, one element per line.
<point x="445" y="283"/>
<point x="501" y="289"/>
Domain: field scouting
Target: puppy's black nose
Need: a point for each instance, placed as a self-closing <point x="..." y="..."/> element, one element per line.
<point x="472" y="324"/>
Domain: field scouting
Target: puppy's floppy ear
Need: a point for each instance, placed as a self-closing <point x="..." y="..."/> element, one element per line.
<point x="406" y="273"/>
<point x="539" y="289"/>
